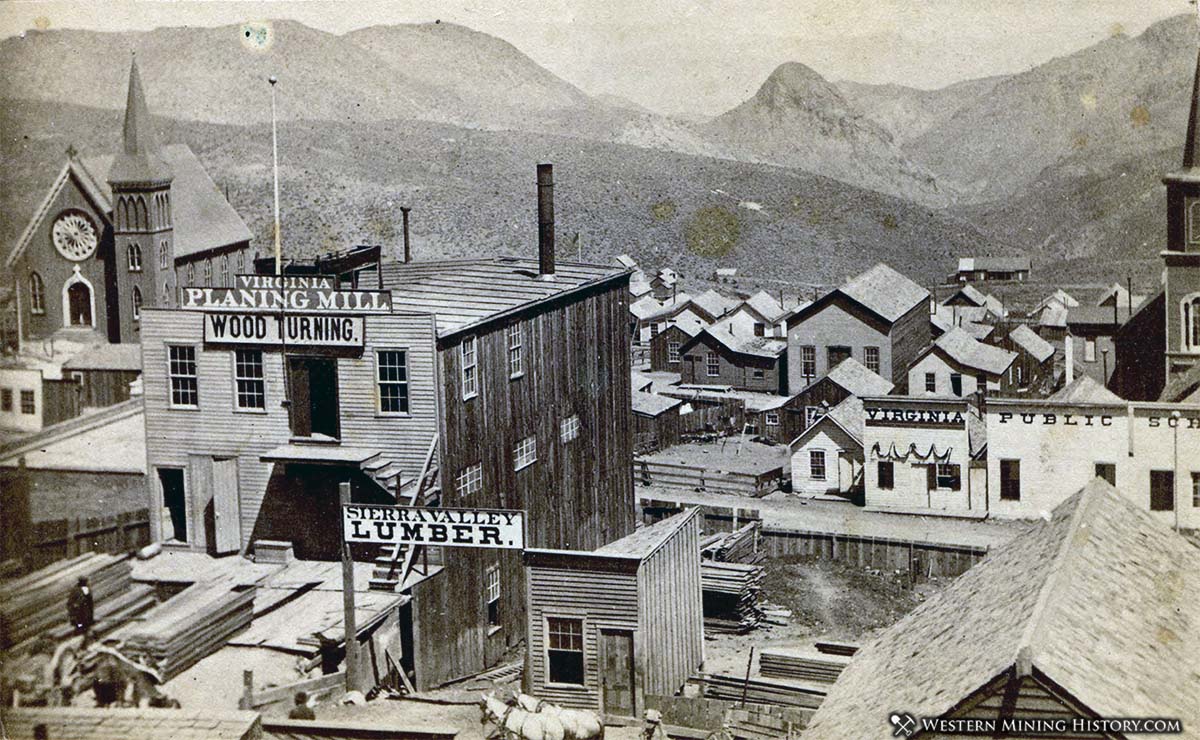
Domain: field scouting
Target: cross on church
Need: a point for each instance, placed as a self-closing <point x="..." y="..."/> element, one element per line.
<point x="72" y="152"/>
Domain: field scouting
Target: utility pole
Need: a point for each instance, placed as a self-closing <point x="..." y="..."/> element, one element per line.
<point x="275" y="166"/>
<point x="1175" y="476"/>
<point x="348" y="621"/>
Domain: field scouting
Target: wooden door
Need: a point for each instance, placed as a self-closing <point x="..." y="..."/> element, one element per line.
<point x="226" y="506"/>
<point x="616" y="672"/>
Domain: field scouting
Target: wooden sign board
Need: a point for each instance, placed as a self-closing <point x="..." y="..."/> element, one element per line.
<point x="277" y="330"/>
<point x="300" y="293"/>
<point x="491" y="528"/>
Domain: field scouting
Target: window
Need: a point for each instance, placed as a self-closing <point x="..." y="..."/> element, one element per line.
<point x="1010" y="480"/>
<point x="166" y="294"/>
<point x="564" y="654"/>
<point x="569" y="429"/>
<point x="812" y="414"/>
<point x="1020" y="371"/>
<point x="191" y="273"/>
<point x="391" y="375"/>
<point x="6" y="399"/>
<point x="930" y="383"/>
<point x="772" y="418"/>
<point x="713" y="364"/>
<point x="136" y="297"/>
<point x="28" y="406"/>
<point x="673" y="352"/>
<point x="956" y="384"/>
<point x="248" y="380"/>
<point x="224" y="270"/>
<point x="163" y="253"/>
<point x="221" y="264"/>
<point x="1191" y="323"/>
<point x="470" y="372"/>
<point x="181" y="371"/>
<point x="1196" y="490"/>
<point x="808" y="361"/>
<point x="240" y="262"/>
<point x="134" y="253"/>
<point x="760" y="329"/>
<point x="492" y="594"/>
<point x="871" y="359"/>
<point x="516" y="364"/>
<point x="1162" y="490"/>
<point x="1089" y="349"/>
<point x="208" y="272"/>
<point x="37" y="294"/>
<point x="886" y="473"/>
<point x="1107" y="471"/>
<point x="949" y="476"/>
<point x="525" y="453"/>
<point x="816" y="464"/>
<point x="653" y="331"/>
<point x="759" y="374"/>
<point x="469" y="480"/>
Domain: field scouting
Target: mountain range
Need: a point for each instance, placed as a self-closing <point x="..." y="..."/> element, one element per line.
<point x="1061" y="161"/>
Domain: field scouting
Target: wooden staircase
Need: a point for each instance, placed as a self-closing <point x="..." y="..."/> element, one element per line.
<point x="395" y="562"/>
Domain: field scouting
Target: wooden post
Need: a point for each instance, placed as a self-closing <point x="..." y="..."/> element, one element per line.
<point x="247" y="700"/>
<point x="746" y="682"/>
<point x="348" y="622"/>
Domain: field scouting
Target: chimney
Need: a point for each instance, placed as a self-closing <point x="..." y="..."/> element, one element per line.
<point x="1069" y="347"/>
<point x="407" y="248"/>
<point x="545" y="186"/>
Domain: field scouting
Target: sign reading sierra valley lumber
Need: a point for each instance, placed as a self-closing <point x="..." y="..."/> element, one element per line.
<point x="495" y="528"/>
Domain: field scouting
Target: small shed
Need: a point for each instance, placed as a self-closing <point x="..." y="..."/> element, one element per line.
<point x="104" y="373"/>
<point x="656" y="421"/>
<point x="609" y="627"/>
<point x="827" y="459"/>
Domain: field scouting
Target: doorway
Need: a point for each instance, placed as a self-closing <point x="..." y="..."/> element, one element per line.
<point x="616" y="680"/>
<point x="79" y="304"/>
<point x="174" y="498"/>
<point x="314" y="391"/>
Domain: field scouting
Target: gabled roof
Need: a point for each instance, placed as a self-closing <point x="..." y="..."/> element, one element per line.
<point x="650" y="308"/>
<point x="994" y="305"/>
<point x="1054" y="316"/>
<point x="765" y="306"/>
<point x="645" y="307"/>
<point x="847" y="416"/>
<point x="643" y="541"/>
<point x="970" y="292"/>
<point x="885" y="292"/>
<point x="1078" y="599"/>
<point x="965" y="350"/>
<point x="1028" y="340"/>
<point x="724" y="332"/>
<point x="107" y="357"/>
<point x="1117" y="293"/>
<point x="1097" y="315"/>
<point x="948" y="317"/>
<point x="625" y="260"/>
<point x="993" y="264"/>
<point x="1059" y="296"/>
<point x="714" y="303"/>
<point x="854" y="377"/>
<point x="1085" y="389"/>
<point x="463" y="294"/>
<point x="689" y="324"/>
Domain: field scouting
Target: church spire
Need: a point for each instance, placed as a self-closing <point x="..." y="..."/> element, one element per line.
<point x="139" y="159"/>
<point x="1191" y="150"/>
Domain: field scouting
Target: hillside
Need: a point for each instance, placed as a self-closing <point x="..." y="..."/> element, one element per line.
<point x="799" y="119"/>
<point x="907" y="112"/>
<point x="472" y="193"/>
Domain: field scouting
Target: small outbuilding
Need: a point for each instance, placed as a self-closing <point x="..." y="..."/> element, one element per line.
<point x="827" y="459"/>
<point x="608" y="627"/>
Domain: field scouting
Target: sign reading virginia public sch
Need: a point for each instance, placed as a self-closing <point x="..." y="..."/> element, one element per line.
<point x="301" y="293"/>
<point x="496" y="528"/>
<point x="276" y="330"/>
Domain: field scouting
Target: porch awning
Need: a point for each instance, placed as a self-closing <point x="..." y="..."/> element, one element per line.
<point x="320" y="454"/>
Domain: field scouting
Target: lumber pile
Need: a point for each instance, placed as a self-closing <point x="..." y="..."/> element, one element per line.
<point x="739" y="546"/>
<point x="765" y="722"/>
<point x="837" y="648"/>
<point x="731" y="597"/>
<point x="801" y="664"/>
<point x="765" y="691"/>
<point x="190" y="626"/>
<point x="37" y="602"/>
<point x="115" y="611"/>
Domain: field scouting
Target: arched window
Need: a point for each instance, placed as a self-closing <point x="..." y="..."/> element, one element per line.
<point x="135" y="258"/>
<point x="162" y="254"/>
<point x="241" y="262"/>
<point x="1191" y="323"/>
<point x="37" y="294"/>
<point x="1193" y="221"/>
<point x="208" y="271"/>
<point x="191" y="273"/>
<point x="166" y="295"/>
<point x="224" y="269"/>
<point x="137" y="303"/>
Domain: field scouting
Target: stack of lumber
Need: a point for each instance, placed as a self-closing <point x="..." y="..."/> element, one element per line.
<point x="739" y="546"/>
<point x="802" y="664"/>
<point x="115" y="611"/>
<point x="188" y="627"/>
<point x="764" y="722"/>
<point x="731" y="597"/>
<point x="837" y="648"/>
<point x="765" y="691"/>
<point x="37" y="602"/>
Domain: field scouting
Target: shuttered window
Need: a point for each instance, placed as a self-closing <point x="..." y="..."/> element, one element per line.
<point x="887" y="475"/>
<point x="391" y="377"/>
<point x="564" y="654"/>
<point x="181" y="370"/>
<point x="248" y="377"/>
<point x="470" y="369"/>
<point x="956" y="384"/>
<point x="949" y="477"/>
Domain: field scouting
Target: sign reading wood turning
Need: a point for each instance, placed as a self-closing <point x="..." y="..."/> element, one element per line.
<point x="274" y="330"/>
<point x="495" y="528"/>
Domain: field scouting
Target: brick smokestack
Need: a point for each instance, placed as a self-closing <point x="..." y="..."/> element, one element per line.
<point x="545" y="186"/>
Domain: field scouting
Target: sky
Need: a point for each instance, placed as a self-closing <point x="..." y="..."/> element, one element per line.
<point x="689" y="56"/>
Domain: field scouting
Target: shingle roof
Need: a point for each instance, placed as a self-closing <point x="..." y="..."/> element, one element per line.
<point x="688" y="324"/>
<point x="885" y="291"/>
<point x="766" y="306"/>
<point x="1100" y="599"/>
<point x="1028" y="340"/>
<point x="1085" y="389"/>
<point x="993" y="264"/>
<point x="1180" y="386"/>
<point x="849" y="415"/>
<point x="946" y="319"/>
<point x="107" y="357"/>
<point x="714" y="303"/>
<point x="1054" y="315"/>
<point x="464" y="293"/>
<point x="652" y="404"/>
<point x="1097" y="315"/>
<point x="645" y="540"/>
<point x="747" y="345"/>
<point x="965" y="350"/>
<point x="93" y="723"/>
<point x="970" y="292"/>
<point x="853" y="376"/>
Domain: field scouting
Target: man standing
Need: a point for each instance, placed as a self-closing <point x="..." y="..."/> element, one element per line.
<point x="80" y="607"/>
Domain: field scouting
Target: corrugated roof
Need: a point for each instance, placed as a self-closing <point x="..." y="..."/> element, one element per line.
<point x="652" y="404"/>
<point x="885" y="291"/>
<point x="965" y="350"/>
<point x="856" y="378"/>
<point x="107" y="357"/>
<point x="1028" y="340"/>
<point x="714" y="303"/>
<point x="464" y="293"/>
<point x="1085" y="389"/>
<point x="645" y="540"/>
<point x="1100" y="599"/>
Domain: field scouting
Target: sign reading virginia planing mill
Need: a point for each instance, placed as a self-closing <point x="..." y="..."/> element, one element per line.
<point x="494" y="528"/>
<point x="281" y="293"/>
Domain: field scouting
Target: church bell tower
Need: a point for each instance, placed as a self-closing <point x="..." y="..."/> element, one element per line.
<point x="1181" y="276"/>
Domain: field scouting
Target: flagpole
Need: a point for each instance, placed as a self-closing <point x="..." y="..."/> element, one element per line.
<point x="275" y="166"/>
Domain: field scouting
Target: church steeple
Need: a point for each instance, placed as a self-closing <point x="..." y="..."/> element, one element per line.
<point x="1191" y="149"/>
<point x="139" y="159"/>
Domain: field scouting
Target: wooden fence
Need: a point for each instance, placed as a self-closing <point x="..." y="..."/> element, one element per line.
<point x="307" y="729"/>
<point x="60" y="401"/>
<point x="315" y="687"/>
<point x="922" y="559"/>
<point x="670" y="475"/>
<point x="57" y="539"/>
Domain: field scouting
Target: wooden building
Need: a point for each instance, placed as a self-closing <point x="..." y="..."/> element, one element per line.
<point x="760" y="315"/>
<point x="983" y="269"/>
<point x="1032" y="373"/>
<point x="104" y="373"/>
<point x="657" y="422"/>
<point x="118" y="233"/>
<point x="827" y="457"/>
<point x="508" y="378"/>
<point x="718" y="355"/>
<point x="610" y="627"/>
<point x="848" y="379"/>
<point x="958" y="366"/>
<point x="21" y="399"/>
<point x="879" y="318"/>
<point x="1067" y="620"/>
<point x="649" y="315"/>
<point x="666" y="347"/>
